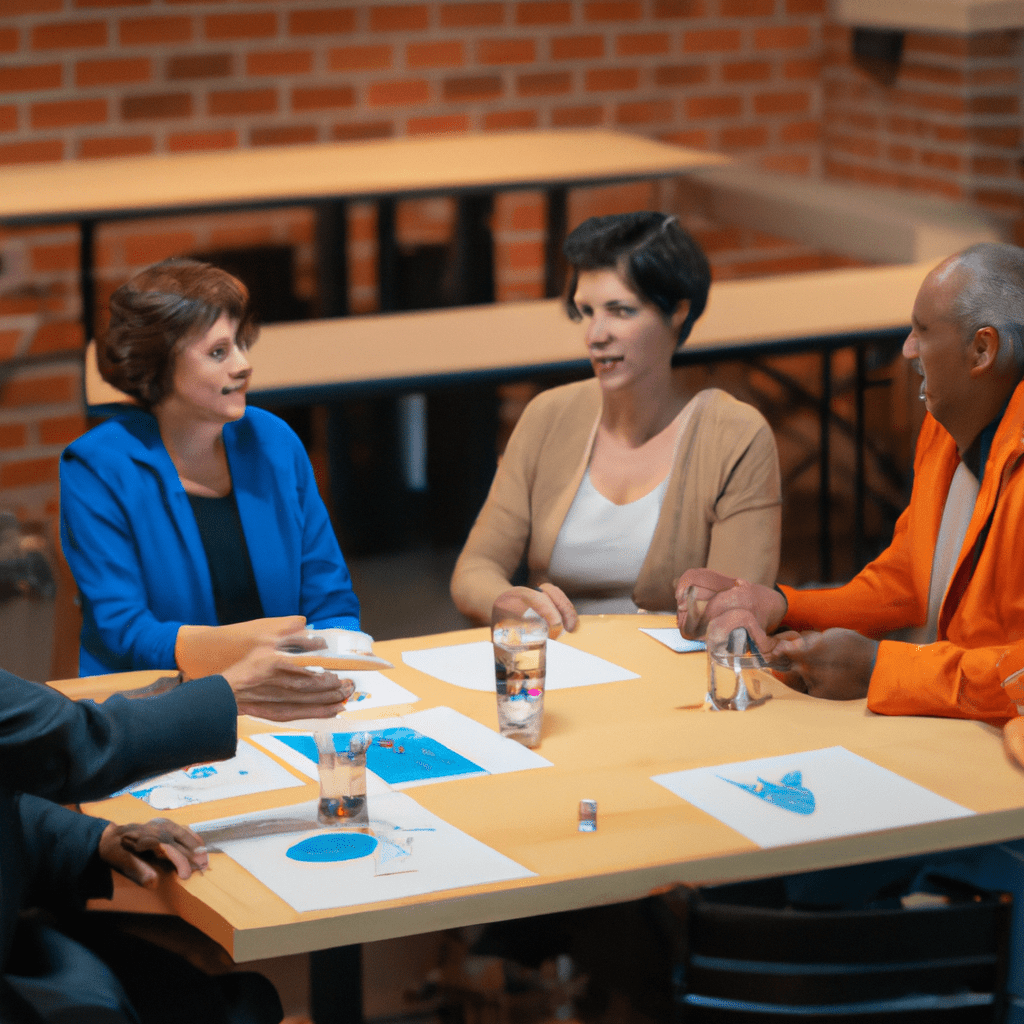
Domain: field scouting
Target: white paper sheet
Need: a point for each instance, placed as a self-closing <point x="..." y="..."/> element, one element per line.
<point x="493" y="753"/>
<point x="673" y="638"/>
<point x="442" y="857"/>
<point x="375" y="690"/>
<point x="471" y="666"/>
<point x="848" y="794"/>
<point x="249" y="771"/>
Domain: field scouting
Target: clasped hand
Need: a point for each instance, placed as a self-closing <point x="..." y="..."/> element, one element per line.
<point x="133" y="850"/>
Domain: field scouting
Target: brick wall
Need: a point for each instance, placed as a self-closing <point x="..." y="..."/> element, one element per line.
<point x="766" y="80"/>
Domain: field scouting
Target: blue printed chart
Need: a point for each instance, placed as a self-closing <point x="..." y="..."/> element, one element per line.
<point x="415" y="750"/>
<point x="816" y="794"/>
<point x="249" y="771"/>
<point x="323" y="868"/>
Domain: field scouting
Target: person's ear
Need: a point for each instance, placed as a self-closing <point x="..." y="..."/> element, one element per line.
<point x="984" y="350"/>
<point x="679" y="314"/>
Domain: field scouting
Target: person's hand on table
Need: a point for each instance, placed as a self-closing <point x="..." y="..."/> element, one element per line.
<point x="268" y="683"/>
<point x="549" y="602"/>
<point x="208" y="650"/>
<point x="134" y="850"/>
<point x="703" y="595"/>
<point x="835" y="665"/>
<point x="1013" y="740"/>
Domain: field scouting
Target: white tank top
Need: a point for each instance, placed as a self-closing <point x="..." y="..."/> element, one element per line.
<point x="601" y="547"/>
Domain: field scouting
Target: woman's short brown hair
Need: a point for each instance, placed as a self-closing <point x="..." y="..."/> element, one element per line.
<point x="158" y="309"/>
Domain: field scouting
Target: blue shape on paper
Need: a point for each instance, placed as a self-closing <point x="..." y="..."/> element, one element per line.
<point x="789" y="792"/>
<point x="201" y="771"/>
<point x="331" y="847"/>
<point x="396" y="755"/>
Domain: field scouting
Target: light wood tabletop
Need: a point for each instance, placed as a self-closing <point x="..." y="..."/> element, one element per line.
<point x="316" y="359"/>
<point x="251" y="178"/>
<point x="605" y="743"/>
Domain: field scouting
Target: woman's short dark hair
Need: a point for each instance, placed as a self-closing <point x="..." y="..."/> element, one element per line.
<point x="656" y="257"/>
<point x="158" y="309"/>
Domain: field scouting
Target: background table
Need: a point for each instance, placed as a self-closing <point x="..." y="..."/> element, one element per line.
<point x="605" y="743"/>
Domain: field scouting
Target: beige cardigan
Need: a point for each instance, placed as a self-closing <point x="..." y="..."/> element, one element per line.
<point x="722" y="507"/>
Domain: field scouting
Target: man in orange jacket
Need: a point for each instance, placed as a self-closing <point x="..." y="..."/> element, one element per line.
<point x="935" y="624"/>
<point x="950" y="584"/>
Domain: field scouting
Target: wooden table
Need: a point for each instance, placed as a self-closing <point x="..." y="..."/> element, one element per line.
<point x="95" y="191"/>
<point x="605" y="743"/>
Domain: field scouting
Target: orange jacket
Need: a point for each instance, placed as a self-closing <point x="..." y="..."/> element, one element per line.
<point x="980" y="644"/>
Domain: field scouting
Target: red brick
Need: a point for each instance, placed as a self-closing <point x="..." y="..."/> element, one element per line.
<point x="782" y="37"/>
<point x="746" y="71"/>
<point x="57" y="336"/>
<point x="143" y="249"/>
<point x="12" y="8"/>
<point x="8" y="118"/>
<point x="101" y="148"/>
<point x="450" y="54"/>
<point x="61" y="430"/>
<point x="356" y="131"/>
<point x="242" y="236"/>
<point x="32" y="152"/>
<point x="26" y="472"/>
<point x="803" y="69"/>
<point x="800" y="131"/>
<point x="782" y="103"/>
<point x="30" y="78"/>
<point x="113" y="72"/>
<point x="713" y="106"/>
<point x="999" y="137"/>
<point x="110" y="3"/>
<point x="714" y="40"/>
<point x="326" y="98"/>
<point x="154" y="31"/>
<point x="40" y="390"/>
<point x="903" y="125"/>
<point x="942" y="160"/>
<point x="694" y="138"/>
<point x="510" y="120"/>
<point x="9" y="343"/>
<point x="543" y="12"/>
<point x="472" y="87"/>
<point x="359" y="58"/>
<point x="525" y="255"/>
<point x="400" y="93"/>
<point x="577" y="117"/>
<point x="933" y="101"/>
<point x="68" y="35"/>
<point x="196" y="142"/>
<point x="645" y="112"/>
<point x="744" y="137"/>
<point x="931" y="73"/>
<point x="243" y="101"/>
<point x="746" y="8"/>
<point x="679" y="9"/>
<point x="1008" y="77"/>
<point x="613" y="10"/>
<point x="901" y="154"/>
<point x="853" y="145"/>
<point x="681" y="74"/>
<point x="992" y="166"/>
<point x="12" y="435"/>
<point x="322" y="21"/>
<point x="998" y="199"/>
<point x="399" y="17"/>
<point x="48" y="258"/>
<point x="550" y="83"/>
<point x="471" y="15"/>
<point x="279" y="62"/>
<point x="994" y="44"/>
<point x="159" y="105"/>
<point x="806" y="6"/>
<point x="603" y="79"/>
<point x="190" y="66"/>
<point x="441" y="124"/>
<point x="577" y="47"/>
<point x="506" y="51"/>
<point x="642" y="43"/>
<point x="993" y="104"/>
<point x="285" y="135"/>
<point x="9" y="40"/>
<point x="231" y="26"/>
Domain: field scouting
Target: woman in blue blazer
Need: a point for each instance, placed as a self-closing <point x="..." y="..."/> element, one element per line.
<point x="192" y="511"/>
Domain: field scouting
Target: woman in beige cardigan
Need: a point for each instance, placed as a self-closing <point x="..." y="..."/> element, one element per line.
<point x="614" y="486"/>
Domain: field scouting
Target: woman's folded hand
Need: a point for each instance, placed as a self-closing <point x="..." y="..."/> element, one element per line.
<point x="207" y="650"/>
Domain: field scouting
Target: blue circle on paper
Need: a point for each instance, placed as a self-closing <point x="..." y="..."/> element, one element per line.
<point x="337" y="846"/>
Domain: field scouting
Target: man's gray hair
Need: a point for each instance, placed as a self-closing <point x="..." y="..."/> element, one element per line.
<point x="993" y="296"/>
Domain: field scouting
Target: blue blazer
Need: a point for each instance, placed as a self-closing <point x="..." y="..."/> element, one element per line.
<point x="132" y="543"/>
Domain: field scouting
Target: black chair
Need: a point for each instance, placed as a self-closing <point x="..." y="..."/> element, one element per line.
<point x="750" y="958"/>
